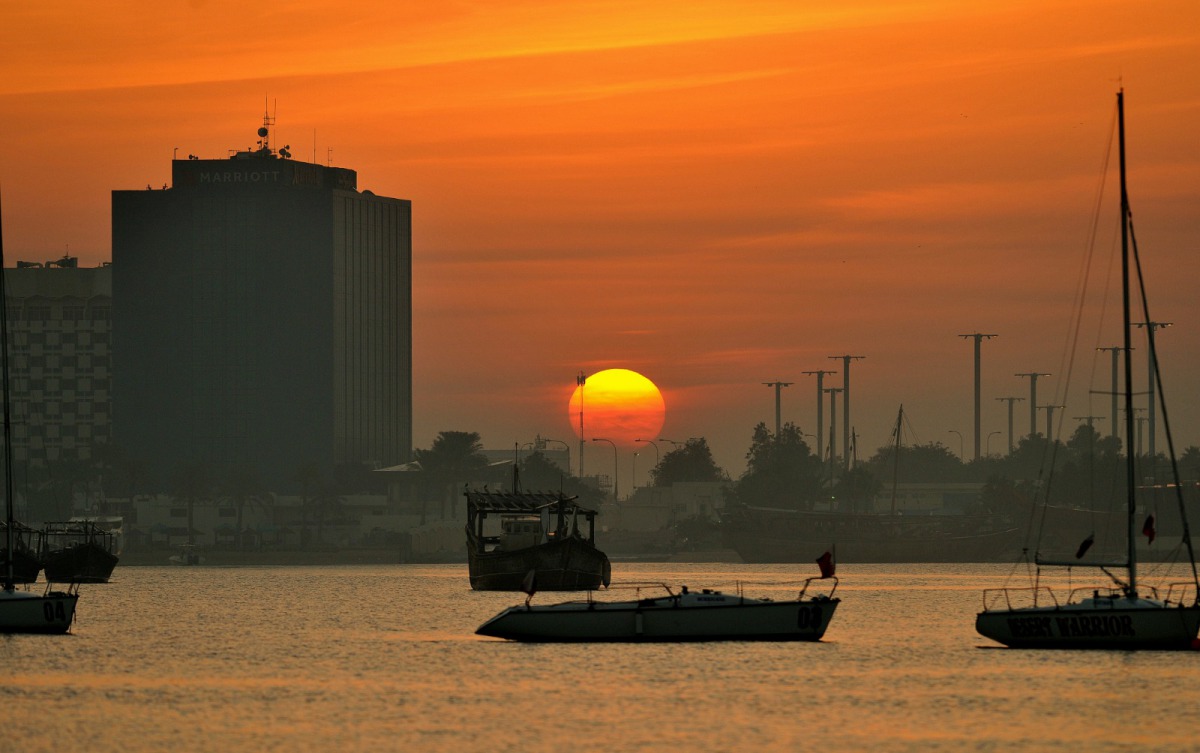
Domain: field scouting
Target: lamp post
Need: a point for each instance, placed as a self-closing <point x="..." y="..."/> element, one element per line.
<point x="633" y="484"/>
<point x="674" y="444"/>
<point x="655" y="446"/>
<point x="567" y="447"/>
<point x="615" y="468"/>
<point x="989" y="442"/>
<point x="960" y="443"/>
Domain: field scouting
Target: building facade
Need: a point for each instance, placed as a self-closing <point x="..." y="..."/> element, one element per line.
<point x="60" y="319"/>
<point x="261" y="320"/>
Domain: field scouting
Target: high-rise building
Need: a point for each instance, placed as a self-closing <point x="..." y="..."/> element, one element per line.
<point x="261" y="320"/>
<point x="59" y="319"/>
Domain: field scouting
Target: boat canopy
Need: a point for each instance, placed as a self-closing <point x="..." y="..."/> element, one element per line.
<point x="532" y="503"/>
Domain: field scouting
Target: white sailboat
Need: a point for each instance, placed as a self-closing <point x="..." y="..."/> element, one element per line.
<point x="673" y="616"/>
<point x="1129" y="615"/>
<point x="23" y="611"/>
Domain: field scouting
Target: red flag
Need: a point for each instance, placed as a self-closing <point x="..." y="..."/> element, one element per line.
<point x="825" y="562"/>
<point x="1148" y="528"/>
<point x="1084" y="546"/>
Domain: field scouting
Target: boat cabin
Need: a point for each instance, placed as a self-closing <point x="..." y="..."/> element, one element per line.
<point x="526" y="519"/>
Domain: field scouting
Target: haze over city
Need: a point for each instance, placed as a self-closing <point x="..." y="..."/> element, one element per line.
<point x="714" y="196"/>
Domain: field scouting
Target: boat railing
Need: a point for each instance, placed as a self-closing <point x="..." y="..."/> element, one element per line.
<point x="1029" y="594"/>
<point x="1182" y="594"/>
<point x="660" y="589"/>
<point x="802" y="585"/>
<point x="808" y="582"/>
<point x="1108" y="592"/>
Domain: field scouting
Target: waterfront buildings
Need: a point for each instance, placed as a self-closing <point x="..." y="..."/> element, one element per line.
<point x="59" y="332"/>
<point x="261" y="320"/>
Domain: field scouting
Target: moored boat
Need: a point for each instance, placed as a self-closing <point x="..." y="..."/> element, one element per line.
<point x="77" y="552"/>
<point x="539" y="532"/>
<point x="25" y="561"/>
<point x="682" y="615"/>
<point x="1127" y="615"/>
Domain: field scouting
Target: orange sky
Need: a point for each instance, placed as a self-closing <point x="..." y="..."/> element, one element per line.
<point x="715" y="195"/>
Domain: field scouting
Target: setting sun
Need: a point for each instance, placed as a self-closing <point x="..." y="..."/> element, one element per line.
<point x="618" y="404"/>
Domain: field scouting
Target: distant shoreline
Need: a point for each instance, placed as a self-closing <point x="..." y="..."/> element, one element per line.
<point x="219" y="558"/>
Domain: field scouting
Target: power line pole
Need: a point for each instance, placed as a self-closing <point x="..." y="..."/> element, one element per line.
<point x="1116" y="352"/>
<point x="978" y="338"/>
<point x="1010" y="401"/>
<point x="1151" y="328"/>
<point x="820" y="410"/>
<point x="580" y="381"/>
<point x="832" y="428"/>
<point x="778" y="414"/>
<point x="1050" y="418"/>
<point x="1033" y="377"/>
<point x="846" y="404"/>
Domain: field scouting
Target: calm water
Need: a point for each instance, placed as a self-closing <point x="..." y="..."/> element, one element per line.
<point x="383" y="658"/>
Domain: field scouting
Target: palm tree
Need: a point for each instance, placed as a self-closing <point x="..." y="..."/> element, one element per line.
<point x="454" y="457"/>
<point x="191" y="482"/>
<point x="309" y="477"/>
<point x="244" y="487"/>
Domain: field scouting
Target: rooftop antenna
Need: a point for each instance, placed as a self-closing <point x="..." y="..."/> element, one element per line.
<point x="264" y="132"/>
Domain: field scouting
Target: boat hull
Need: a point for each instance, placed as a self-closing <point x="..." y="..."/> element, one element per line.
<point x="1075" y="627"/>
<point x="570" y="564"/>
<point x="23" y="612"/>
<point x="84" y="563"/>
<point x="26" y="565"/>
<point x="664" y="620"/>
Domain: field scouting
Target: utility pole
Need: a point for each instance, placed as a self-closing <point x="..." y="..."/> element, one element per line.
<point x="832" y="428"/>
<point x="1151" y="327"/>
<point x="1050" y="418"/>
<point x="1010" y="401"/>
<point x="580" y="381"/>
<point x="1116" y="352"/>
<point x="1033" y="377"/>
<point x="846" y="404"/>
<point x="778" y="387"/>
<point x="1135" y="443"/>
<point x="978" y="338"/>
<point x="820" y="409"/>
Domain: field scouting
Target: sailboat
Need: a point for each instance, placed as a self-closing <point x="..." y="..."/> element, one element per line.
<point x="23" y="611"/>
<point x="1129" y="615"/>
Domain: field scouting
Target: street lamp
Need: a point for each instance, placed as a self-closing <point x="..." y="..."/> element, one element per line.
<point x="634" y="474"/>
<point x="674" y="444"/>
<point x="960" y="443"/>
<point x="989" y="442"/>
<point x="567" y="447"/>
<point x="615" y="468"/>
<point x="654" y="445"/>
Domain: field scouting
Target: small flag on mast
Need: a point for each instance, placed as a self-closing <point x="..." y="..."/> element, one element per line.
<point x="1085" y="545"/>
<point x="827" y="565"/>
<point x="1148" y="528"/>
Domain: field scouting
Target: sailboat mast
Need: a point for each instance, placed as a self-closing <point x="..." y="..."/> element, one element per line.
<point x="10" y="551"/>
<point x="1130" y="460"/>
<point x="896" y="457"/>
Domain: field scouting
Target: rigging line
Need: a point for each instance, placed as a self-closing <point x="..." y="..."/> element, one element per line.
<point x="1071" y="347"/>
<point x="1094" y="231"/>
<point x="1162" y="401"/>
